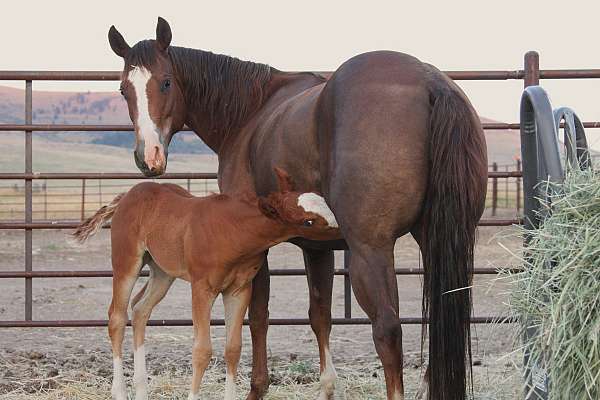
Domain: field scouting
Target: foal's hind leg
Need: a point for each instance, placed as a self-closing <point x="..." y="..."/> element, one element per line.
<point x="155" y="290"/>
<point x="236" y="304"/>
<point x="202" y="301"/>
<point x="125" y="273"/>
<point x="319" y="267"/>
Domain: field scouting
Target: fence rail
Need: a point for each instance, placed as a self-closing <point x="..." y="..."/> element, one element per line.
<point x="530" y="74"/>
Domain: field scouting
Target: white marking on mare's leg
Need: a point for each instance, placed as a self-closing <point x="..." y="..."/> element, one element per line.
<point x="328" y="378"/>
<point x="118" y="391"/>
<point x="314" y="203"/>
<point x="230" y="387"/>
<point x="140" y="376"/>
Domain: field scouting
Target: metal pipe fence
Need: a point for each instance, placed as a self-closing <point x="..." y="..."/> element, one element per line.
<point x="530" y="74"/>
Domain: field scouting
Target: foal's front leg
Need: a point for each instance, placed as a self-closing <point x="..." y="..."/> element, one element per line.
<point x="202" y="301"/>
<point x="236" y="304"/>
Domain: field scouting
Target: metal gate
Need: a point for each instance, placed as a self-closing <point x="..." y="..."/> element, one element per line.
<point x="530" y="74"/>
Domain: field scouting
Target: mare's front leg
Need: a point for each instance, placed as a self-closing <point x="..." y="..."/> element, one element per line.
<point x="153" y="292"/>
<point x="236" y="304"/>
<point x="258" y="316"/>
<point x="319" y="270"/>
<point x="202" y="301"/>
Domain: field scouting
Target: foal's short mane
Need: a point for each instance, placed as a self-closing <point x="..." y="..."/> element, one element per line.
<point x="227" y="89"/>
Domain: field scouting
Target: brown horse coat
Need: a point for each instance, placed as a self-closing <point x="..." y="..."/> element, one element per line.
<point x="391" y="142"/>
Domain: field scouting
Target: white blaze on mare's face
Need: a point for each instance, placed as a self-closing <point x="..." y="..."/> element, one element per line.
<point x="314" y="203"/>
<point x="139" y="77"/>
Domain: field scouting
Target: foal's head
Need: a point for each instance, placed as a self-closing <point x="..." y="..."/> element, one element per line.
<point x="154" y="97"/>
<point x="307" y="213"/>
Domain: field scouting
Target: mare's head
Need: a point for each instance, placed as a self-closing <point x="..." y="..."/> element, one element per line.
<point x="154" y="97"/>
<point x="307" y="214"/>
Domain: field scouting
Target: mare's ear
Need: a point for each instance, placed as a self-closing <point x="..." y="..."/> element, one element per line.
<point x="117" y="42"/>
<point x="283" y="180"/>
<point x="163" y="34"/>
<point x="267" y="208"/>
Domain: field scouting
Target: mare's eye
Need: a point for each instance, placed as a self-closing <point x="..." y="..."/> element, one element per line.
<point x="309" y="222"/>
<point x="165" y="85"/>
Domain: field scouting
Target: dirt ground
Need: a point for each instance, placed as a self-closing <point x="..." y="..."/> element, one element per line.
<point x="37" y="361"/>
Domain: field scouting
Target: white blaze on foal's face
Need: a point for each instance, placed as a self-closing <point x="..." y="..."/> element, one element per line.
<point x="147" y="130"/>
<point x="312" y="202"/>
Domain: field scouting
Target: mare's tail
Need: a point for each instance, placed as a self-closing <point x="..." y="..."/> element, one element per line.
<point x="454" y="204"/>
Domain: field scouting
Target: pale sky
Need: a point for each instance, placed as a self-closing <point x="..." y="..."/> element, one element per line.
<point x="320" y="35"/>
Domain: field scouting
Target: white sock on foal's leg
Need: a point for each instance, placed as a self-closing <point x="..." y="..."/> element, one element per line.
<point x="230" y="387"/>
<point x="328" y="377"/>
<point x="118" y="391"/>
<point x="140" y="376"/>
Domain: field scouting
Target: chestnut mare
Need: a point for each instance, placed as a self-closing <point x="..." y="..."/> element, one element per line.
<point x="391" y="142"/>
<point x="216" y="243"/>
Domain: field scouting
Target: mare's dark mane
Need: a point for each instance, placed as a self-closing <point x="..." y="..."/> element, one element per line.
<point x="227" y="89"/>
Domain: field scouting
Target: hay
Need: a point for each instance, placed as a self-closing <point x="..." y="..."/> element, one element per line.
<point x="361" y="379"/>
<point x="562" y="300"/>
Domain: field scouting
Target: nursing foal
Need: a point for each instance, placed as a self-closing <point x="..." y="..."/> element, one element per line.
<point x="216" y="243"/>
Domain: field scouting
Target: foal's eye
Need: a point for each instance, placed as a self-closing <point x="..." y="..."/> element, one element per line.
<point x="165" y="85"/>
<point x="309" y="222"/>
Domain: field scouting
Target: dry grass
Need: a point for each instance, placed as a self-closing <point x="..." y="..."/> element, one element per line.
<point x="296" y="380"/>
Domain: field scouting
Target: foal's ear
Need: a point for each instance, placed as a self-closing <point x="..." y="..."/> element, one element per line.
<point x="267" y="208"/>
<point x="283" y="180"/>
<point x="117" y="42"/>
<point x="163" y="34"/>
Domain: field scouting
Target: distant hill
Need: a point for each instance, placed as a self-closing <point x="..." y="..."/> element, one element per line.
<point x="110" y="108"/>
<point x="91" y="108"/>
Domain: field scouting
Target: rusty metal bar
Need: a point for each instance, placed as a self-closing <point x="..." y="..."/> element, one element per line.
<point x="73" y="225"/>
<point x="494" y="190"/>
<point x="220" y="322"/>
<point x="70" y="128"/>
<point x="116" y="75"/>
<point x="273" y="272"/>
<point x="49" y="128"/>
<point x="28" y="201"/>
<point x="456" y="75"/>
<point x="105" y="175"/>
<point x="176" y="175"/>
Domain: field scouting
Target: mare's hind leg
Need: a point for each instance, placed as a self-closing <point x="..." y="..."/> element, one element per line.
<point x="236" y="304"/>
<point x="375" y="287"/>
<point x="203" y="298"/>
<point x="154" y="291"/>
<point x="125" y="273"/>
<point x="319" y="268"/>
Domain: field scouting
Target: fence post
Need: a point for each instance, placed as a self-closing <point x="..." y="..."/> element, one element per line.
<point x="518" y="187"/>
<point x="28" y="201"/>
<point x="188" y="185"/>
<point x="494" y="190"/>
<point x="45" y="198"/>
<point x="347" y="286"/>
<point x="506" y="188"/>
<point x="82" y="199"/>
<point x="100" y="193"/>
<point x="537" y="383"/>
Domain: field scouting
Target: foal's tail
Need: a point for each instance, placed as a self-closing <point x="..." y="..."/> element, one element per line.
<point x="90" y="226"/>
<point x="454" y="204"/>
